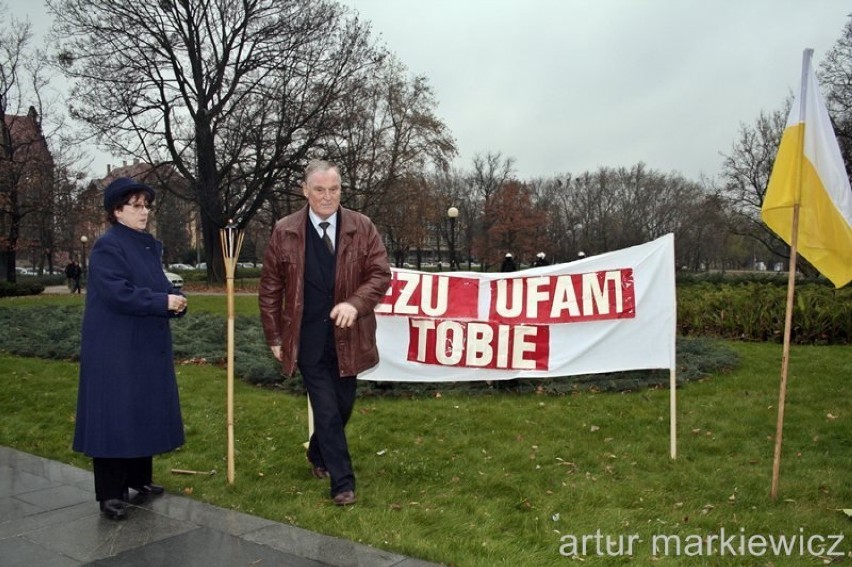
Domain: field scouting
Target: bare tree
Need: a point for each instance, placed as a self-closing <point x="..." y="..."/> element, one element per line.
<point x="515" y="225"/>
<point x="389" y="135"/>
<point x="26" y="166"/>
<point x="746" y="170"/>
<point x="555" y="238"/>
<point x="408" y="218"/>
<point x="236" y="95"/>
<point x="745" y="173"/>
<point x="451" y="188"/>
<point x="836" y="78"/>
<point x="490" y="172"/>
<point x="613" y="208"/>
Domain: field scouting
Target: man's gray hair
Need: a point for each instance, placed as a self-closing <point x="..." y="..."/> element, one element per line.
<point x="316" y="165"/>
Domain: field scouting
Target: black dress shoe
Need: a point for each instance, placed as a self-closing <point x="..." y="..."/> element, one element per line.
<point x="114" y="508"/>
<point x="140" y="495"/>
<point x="149" y="490"/>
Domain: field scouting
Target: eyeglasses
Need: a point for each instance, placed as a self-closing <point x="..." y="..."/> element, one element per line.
<point x="137" y="207"/>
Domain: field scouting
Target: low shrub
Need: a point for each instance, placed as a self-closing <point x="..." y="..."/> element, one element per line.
<point x="31" y="287"/>
<point x="199" y="338"/>
<point x="755" y="311"/>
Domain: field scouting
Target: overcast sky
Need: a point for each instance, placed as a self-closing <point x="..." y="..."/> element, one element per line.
<point x="571" y="85"/>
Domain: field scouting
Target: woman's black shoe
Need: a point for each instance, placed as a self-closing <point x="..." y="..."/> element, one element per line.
<point x="114" y="508"/>
<point x="149" y="490"/>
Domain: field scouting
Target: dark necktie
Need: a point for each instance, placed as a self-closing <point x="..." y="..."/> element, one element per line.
<point x="325" y="237"/>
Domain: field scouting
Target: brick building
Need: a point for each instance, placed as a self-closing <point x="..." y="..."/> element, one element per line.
<point x="27" y="205"/>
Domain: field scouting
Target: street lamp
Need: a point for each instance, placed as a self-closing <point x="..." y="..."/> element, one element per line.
<point x="84" y="240"/>
<point x="452" y="213"/>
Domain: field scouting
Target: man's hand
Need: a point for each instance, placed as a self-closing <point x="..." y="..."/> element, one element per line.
<point x="344" y="314"/>
<point x="276" y="352"/>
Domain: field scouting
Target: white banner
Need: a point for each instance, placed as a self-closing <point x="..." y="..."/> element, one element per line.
<point x="605" y="313"/>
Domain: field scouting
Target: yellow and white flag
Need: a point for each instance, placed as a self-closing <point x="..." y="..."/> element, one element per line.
<point x="809" y="171"/>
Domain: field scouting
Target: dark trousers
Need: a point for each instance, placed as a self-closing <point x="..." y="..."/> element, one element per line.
<point x="332" y="399"/>
<point x="114" y="476"/>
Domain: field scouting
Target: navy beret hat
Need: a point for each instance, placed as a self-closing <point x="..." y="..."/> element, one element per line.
<point x="120" y="187"/>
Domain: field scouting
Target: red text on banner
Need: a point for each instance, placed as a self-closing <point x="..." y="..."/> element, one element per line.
<point x="564" y="298"/>
<point x="479" y="344"/>
<point x="430" y="295"/>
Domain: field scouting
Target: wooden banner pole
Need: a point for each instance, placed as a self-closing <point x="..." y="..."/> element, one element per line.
<point x="232" y="240"/>
<point x="785" y="356"/>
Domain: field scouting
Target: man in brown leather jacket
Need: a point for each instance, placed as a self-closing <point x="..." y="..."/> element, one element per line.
<point x="324" y="271"/>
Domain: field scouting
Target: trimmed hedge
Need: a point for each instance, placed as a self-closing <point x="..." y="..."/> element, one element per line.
<point x="21" y="288"/>
<point x="755" y="311"/>
<point x="199" y="338"/>
<point x="747" y="310"/>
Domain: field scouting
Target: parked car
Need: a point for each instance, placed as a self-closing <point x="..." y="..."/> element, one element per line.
<point x="176" y="280"/>
<point x="180" y="267"/>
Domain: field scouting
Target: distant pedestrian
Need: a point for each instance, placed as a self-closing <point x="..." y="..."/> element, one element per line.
<point x="508" y="263"/>
<point x="540" y="260"/>
<point x="74" y="273"/>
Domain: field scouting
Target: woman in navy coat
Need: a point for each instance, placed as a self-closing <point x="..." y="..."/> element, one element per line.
<point x="127" y="404"/>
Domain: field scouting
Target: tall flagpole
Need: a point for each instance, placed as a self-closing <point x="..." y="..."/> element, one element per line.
<point x="791" y="281"/>
<point x="785" y="356"/>
<point x="231" y="239"/>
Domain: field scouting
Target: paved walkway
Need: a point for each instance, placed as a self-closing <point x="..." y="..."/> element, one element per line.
<point x="57" y="290"/>
<point x="49" y="518"/>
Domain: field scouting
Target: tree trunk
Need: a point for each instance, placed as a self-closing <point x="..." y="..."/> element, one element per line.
<point x="210" y="201"/>
<point x="14" y="232"/>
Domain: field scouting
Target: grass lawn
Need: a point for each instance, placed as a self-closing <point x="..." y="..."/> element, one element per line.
<point x="507" y="479"/>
